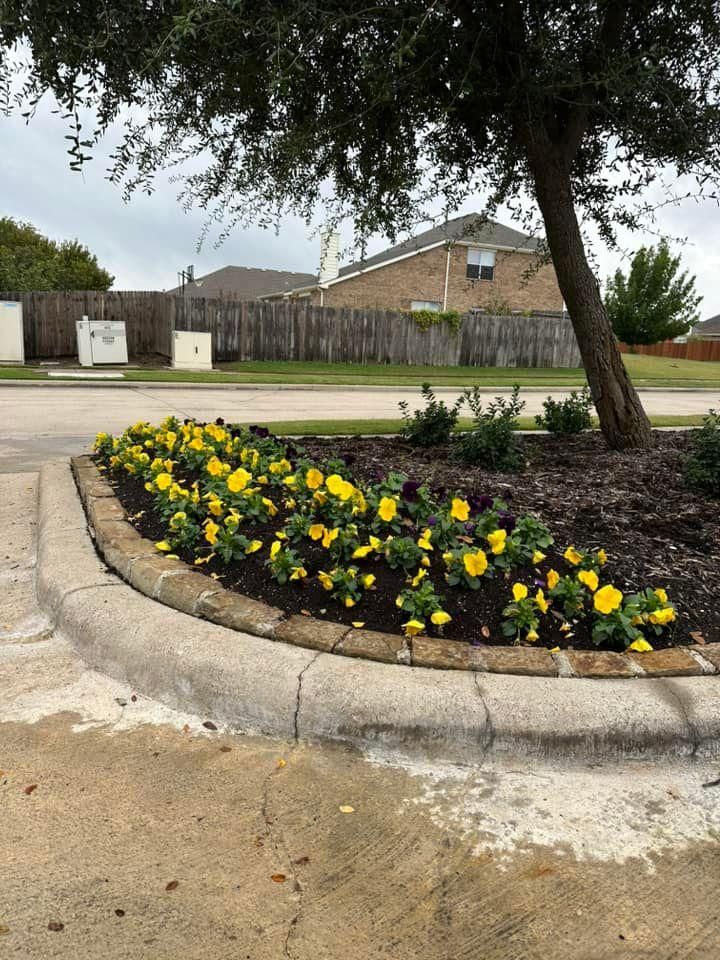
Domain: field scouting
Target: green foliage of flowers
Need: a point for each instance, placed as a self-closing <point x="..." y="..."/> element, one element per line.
<point x="702" y="465"/>
<point x="229" y="495"/>
<point x="492" y="442"/>
<point x="568" y="416"/>
<point x="432" y="426"/>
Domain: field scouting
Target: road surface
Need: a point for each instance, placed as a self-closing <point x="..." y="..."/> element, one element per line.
<point x="38" y="423"/>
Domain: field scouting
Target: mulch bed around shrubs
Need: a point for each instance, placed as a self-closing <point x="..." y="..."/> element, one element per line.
<point x="634" y="505"/>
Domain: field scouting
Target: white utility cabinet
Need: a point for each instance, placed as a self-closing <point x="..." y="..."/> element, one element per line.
<point x="12" y="349"/>
<point x="101" y="341"/>
<point x="191" y="350"/>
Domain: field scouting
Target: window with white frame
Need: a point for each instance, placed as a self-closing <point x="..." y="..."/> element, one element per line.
<point x="480" y="264"/>
<point x="433" y="305"/>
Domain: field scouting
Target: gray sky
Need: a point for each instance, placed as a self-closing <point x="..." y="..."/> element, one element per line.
<point x="145" y="242"/>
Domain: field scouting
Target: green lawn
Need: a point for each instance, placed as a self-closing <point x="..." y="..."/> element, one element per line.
<point x="645" y="371"/>
<point x="338" y="428"/>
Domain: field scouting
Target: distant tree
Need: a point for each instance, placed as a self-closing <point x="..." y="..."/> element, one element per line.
<point x="30" y="261"/>
<point x="654" y="302"/>
<point x="383" y="109"/>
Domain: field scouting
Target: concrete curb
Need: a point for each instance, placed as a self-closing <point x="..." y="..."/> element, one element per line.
<point x="255" y="684"/>
<point x="322" y="387"/>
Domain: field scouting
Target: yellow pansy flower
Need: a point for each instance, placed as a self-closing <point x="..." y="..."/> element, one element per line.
<point x="214" y="467"/>
<point x="387" y="509"/>
<point x="339" y="487"/>
<point x="553" y="579"/>
<point x="368" y="580"/>
<point x="253" y="547"/>
<point x="607" y="599"/>
<point x="211" y="532"/>
<point x="661" y="594"/>
<point x="360" y="552"/>
<point x="420" y="575"/>
<point x="497" y="540"/>
<point x="640" y="646"/>
<point x="475" y="563"/>
<point x="215" y="507"/>
<point x="163" y="546"/>
<point x="298" y="573"/>
<point x="460" y="509"/>
<point x="329" y="536"/>
<point x="269" y="506"/>
<point x="424" y="540"/>
<point x="349" y="602"/>
<point x="541" y="602"/>
<point x="412" y="627"/>
<point x="200" y="560"/>
<point x="661" y="617"/>
<point x="602" y="557"/>
<point x="519" y="591"/>
<point x="589" y="578"/>
<point x="440" y="618"/>
<point x="398" y="601"/>
<point x="316" y="531"/>
<point x="358" y="624"/>
<point x="326" y="580"/>
<point x="196" y="444"/>
<point x="538" y="556"/>
<point x="532" y="636"/>
<point x="238" y="480"/>
<point x="275" y="549"/>
<point x="573" y="556"/>
<point x="163" y="481"/>
<point x="425" y="562"/>
<point x="314" y="479"/>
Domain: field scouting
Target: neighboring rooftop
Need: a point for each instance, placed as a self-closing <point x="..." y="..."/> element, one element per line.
<point x="708" y="328"/>
<point x="243" y="283"/>
<point x="471" y="227"/>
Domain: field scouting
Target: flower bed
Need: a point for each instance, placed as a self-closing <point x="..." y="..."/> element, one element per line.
<point x="311" y="532"/>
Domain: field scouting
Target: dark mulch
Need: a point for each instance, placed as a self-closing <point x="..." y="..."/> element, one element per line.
<point x="634" y="505"/>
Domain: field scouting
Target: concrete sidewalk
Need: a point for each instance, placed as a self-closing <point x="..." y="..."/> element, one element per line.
<point x="41" y="424"/>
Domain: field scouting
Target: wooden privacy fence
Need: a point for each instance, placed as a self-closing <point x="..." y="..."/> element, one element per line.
<point x="49" y="319"/>
<point x="297" y="330"/>
<point x="692" y="350"/>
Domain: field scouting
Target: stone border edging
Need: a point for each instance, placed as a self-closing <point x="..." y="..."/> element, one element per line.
<point x="255" y="684"/>
<point x="178" y="585"/>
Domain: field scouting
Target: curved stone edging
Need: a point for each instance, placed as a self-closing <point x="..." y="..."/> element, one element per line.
<point x="178" y="585"/>
<point x="252" y="683"/>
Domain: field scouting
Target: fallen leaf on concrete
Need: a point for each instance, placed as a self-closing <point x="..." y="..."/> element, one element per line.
<point x="306" y="613"/>
<point x="30" y="788"/>
<point x="120" y="702"/>
<point x="346" y="808"/>
<point x="225" y="749"/>
<point x="712" y="783"/>
<point x="301" y="861"/>
<point x="698" y="637"/>
<point x="173" y="885"/>
<point x="485" y="631"/>
<point x="134" y="698"/>
<point x="278" y="878"/>
<point x="209" y="725"/>
<point x="186" y="728"/>
<point x="119" y="912"/>
<point x="542" y="870"/>
<point x="282" y="763"/>
<point x="56" y="926"/>
<point x="4" y="928"/>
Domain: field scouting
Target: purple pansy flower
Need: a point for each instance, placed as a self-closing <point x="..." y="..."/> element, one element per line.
<point x="409" y="490"/>
<point x="431" y="521"/>
<point x="507" y="521"/>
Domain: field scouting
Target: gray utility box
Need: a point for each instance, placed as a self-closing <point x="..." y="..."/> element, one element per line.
<point x="12" y="348"/>
<point x="191" y="350"/>
<point x="101" y="341"/>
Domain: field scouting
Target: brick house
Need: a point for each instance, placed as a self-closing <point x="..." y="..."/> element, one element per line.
<point x="463" y="264"/>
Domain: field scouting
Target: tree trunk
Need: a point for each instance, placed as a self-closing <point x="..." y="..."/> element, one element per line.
<point x="622" y="418"/>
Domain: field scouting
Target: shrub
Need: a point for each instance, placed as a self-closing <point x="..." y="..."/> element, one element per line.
<point x="432" y="426"/>
<point x="433" y="318"/>
<point x="564" y="417"/>
<point x="492" y="442"/>
<point x="702" y="466"/>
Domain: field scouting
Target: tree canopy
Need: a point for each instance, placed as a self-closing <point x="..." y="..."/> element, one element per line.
<point x="378" y="110"/>
<point x="654" y="302"/>
<point x="30" y="261"/>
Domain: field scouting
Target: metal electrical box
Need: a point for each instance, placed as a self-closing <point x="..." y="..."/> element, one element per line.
<point x="12" y="349"/>
<point x="191" y="350"/>
<point x="101" y="341"/>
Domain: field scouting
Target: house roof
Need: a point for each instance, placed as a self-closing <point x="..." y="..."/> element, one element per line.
<point x="470" y="228"/>
<point x="244" y="283"/>
<point x="708" y="328"/>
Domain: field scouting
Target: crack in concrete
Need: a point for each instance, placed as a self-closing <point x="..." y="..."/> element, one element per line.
<point x="87" y="586"/>
<point x="489" y="731"/>
<point x="682" y="707"/>
<point x="298" y="692"/>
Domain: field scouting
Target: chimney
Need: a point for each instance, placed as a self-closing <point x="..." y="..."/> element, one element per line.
<point x="329" y="254"/>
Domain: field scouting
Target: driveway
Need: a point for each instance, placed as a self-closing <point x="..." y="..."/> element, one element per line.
<point x="38" y="423"/>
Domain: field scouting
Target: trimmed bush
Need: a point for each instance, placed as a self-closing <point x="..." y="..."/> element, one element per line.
<point x="432" y="426"/>
<point x="702" y="466"/>
<point x="492" y="442"/>
<point x="565" y="417"/>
